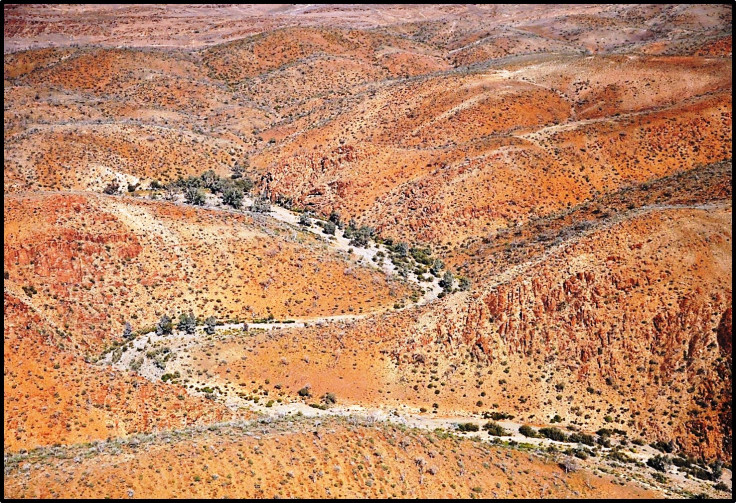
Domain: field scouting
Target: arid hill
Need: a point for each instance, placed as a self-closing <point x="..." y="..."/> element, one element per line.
<point x="138" y="259"/>
<point x="393" y="225"/>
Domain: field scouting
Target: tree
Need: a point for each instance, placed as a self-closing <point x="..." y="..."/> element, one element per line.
<point x="495" y="429"/>
<point x="447" y="281"/>
<point x="209" y="179"/>
<point x="164" y="325"/>
<point x="187" y="322"/>
<point x="362" y="236"/>
<point x="659" y="463"/>
<point x="209" y="325"/>
<point x="232" y="197"/>
<point x="112" y="188"/>
<point x="169" y="194"/>
<point x="437" y="267"/>
<point x="335" y="218"/>
<point x="239" y="168"/>
<point x="261" y="205"/>
<point x="127" y="331"/>
<point x="402" y="249"/>
<point x="245" y="184"/>
<point x="329" y="228"/>
<point x="193" y="195"/>
<point x="527" y="431"/>
<point x="464" y="284"/>
<point x="305" y="220"/>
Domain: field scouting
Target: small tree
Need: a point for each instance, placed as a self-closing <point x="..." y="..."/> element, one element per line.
<point x="209" y="179"/>
<point x="362" y="236"/>
<point x="232" y="197"/>
<point x="127" y="331"/>
<point x="464" y="284"/>
<point x="164" y="325"/>
<point x="305" y="220"/>
<point x="209" y="325"/>
<point x="329" y="228"/>
<point x="169" y="194"/>
<point x="447" y="281"/>
<point x="237" y="171"/>
<point x="402" y="249"/>
<point x="245" y="184"/>
<point x="437" y="267"/>
<point x="335" y="218"/>
<point x="659" y="463"/>
<point x="112" y="188"/>
<point x="528" y="431"/>
<point x="261" y="205"/>
<point x="193" y="195"/>
<point x="495" y="429"/>
<point x="187" y="322"/>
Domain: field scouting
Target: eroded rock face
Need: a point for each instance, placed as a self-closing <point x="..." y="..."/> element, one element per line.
<point x="649" y="327"/>
<point x="725" y="333"/>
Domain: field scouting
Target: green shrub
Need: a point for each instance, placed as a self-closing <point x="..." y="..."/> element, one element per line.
<point x="495" y="429"/>
<point x="582" y="438"/>
<point x="658" y="462"/>
<point x="528" y="431"/>
<point x="467" y="427"/>
<point x="553" y="434"/>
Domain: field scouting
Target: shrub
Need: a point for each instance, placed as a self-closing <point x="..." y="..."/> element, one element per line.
<point x="194" y="195"/>
<point x="660" y="478"/>
<point x="467" y="427"/>
<point x="232" y="197"/>
<point x="209" y="325"/>
<point x="620" y="456"/>
<point x="127" y="331"/>
<point x="720" y="486"/>
<point x="361" y="237"/>
<point x="667" y="447"/>
<point x="528" y="431"/>
<point x="171" y="377"/>
<point x="305" y="391"/>
<point x="187" y="323"/>
<point x="261" y="205"/>
<point x="30" y="290"/>
<point x="447" y="281"/>
<point x="112" y="188"/>
<point x="164" y="325"/>
<point x="421" y="255"/>
<point x="437" y="267"/>
<point x="329" y="228"/>
<point x="329" y="398"/>
<point x="495" y="429"/>
<point x="497" y="416"/>
<point x="582" y="438"/>
<point x="659" y="463"/>
<point x="209" y="179"/>
<point x="245" y="184"/>
<point x="553" y="434"/>
<point x="464" y="284"/>
<point x="135" y="365"/>
<point x="305" y="220"/>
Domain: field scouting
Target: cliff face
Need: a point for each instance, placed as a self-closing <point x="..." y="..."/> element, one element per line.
<point x="638" y="314"/>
